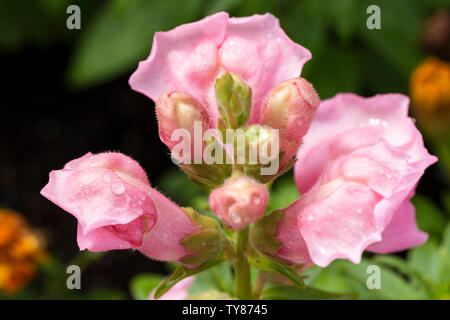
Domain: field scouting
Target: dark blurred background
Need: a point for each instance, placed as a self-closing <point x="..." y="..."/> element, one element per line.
<point x="65" y="92"/>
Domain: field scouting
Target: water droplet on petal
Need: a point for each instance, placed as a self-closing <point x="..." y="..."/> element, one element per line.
<point x="310" y="217"/>
<point x="118" y="188"/>
<point x="86" y="190"/>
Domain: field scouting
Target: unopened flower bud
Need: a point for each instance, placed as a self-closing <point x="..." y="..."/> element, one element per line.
<point x="290" y="107"/>
<point x="179" y="110"/>
<point x="234" y="99"/>
<point x="239" y="202"/>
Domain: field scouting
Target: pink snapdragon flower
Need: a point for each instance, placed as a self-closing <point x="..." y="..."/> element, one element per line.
<point x="188" y="59"/>
<point x="239" y="202"/>
<point x="116" y="208"/>
<point x="357" y="170"/>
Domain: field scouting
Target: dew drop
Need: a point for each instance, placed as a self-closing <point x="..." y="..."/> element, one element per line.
<point x="310" y="218"/>
<point x="118" y="188"/>
<point x="86" y="190"/>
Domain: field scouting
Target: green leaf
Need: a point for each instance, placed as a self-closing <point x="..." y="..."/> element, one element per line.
<point x="293" y="293"/>
<point x="265" y="264"/>
<point x="426" y="259"/>
<point x="121" y="35"/>
<point x="142" y="285"/>
<point x="393" y="286"/>
<point x="446" y="238"/>
<point x="429" y="217"/>
<point x="181" y="273"/>
<point x="219" y="278"/>
<point x="283" y="193"/>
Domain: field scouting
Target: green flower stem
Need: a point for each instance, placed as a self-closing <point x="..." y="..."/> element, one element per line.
<point x="259" y="285"/>
<point x="241" y="266"/>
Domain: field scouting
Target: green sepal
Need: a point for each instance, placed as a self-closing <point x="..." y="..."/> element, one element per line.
<point x="234" y="99"/>
<point x="208" y="176"/>
<point x="262" y="234"/>
<point x="181" y="273"/>
<point x="265" y="264"/>
<point x="254" y="171"/>
<point x="207" y="244"/>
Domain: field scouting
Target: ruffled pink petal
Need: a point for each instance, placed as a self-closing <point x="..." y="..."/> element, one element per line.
<point x="338" y="221"/>
<point x="122" y="236"/>
<point x="115" y="161"/>
<point x="401" y="233"/>
<point x="258" y="50"/>
<point x="163" y="241"/>
<point x="183" y="59"/>
<point x="382" y="168"/>
<point x="97" y="197"/>
<point x="348" y="122"/>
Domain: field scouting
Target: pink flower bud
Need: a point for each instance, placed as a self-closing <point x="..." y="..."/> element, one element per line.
<point x="290" y="107"/>
<point x="179" y="110"/>
<point x="239" y="202"/>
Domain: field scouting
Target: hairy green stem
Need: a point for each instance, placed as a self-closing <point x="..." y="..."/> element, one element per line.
<point x="241" y="266"/>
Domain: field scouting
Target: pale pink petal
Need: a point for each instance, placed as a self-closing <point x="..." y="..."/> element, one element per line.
<point x="163" y="241"/>
<point x="339" y="223"/>
<point x="183" y="59"/>
<point x="401" y="233"/>
<point x="258" y="50"/>
<point x="384" y="169"/>
<point x="97" y="197"/>
<point x="115" y="236"/>
<point x="347" y="122"/>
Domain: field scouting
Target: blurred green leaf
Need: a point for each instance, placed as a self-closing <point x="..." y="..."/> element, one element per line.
<point x="219" y="278"/>
<point x="283" y="193"/>
<point x="121" y="35"/>
<point x="428" y="215"/>
<point x="143" y="284"/>
<point x="399" y="36"/>
<point x="176" y="185"/>
<point x="294" y="293"/>
<point x="182" y="273"/>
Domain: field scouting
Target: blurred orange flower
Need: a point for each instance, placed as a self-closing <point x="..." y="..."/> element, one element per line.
<point x="20" y="251"/>
<point x="430" y="87"/>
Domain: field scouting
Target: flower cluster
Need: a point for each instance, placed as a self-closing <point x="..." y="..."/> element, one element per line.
<point x="357" y="160"/>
